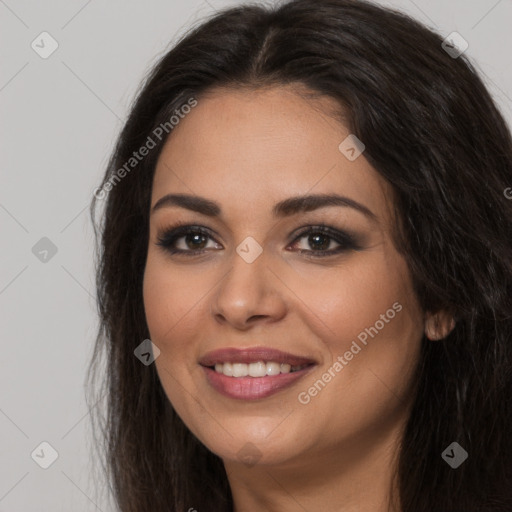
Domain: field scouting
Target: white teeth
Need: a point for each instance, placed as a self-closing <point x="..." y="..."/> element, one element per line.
<point x="226" y="369"/>
<point x="273" y="368"/>
<point x="240" y="370"/>
<point x="258" y="369"/>
<point x="285" y="368"/>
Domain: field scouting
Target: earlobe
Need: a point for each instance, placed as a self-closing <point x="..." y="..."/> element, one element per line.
<point x="439" y="325"/>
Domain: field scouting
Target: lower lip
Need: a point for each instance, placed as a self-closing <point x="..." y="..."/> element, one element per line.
<point x="252" y="388"/>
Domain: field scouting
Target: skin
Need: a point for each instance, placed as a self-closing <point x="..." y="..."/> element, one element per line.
<point x="247" y="150"/>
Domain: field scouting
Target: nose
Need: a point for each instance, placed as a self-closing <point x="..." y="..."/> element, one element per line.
<point x="249" y="294"/>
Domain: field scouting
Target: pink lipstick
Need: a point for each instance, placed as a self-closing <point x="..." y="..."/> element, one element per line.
<point x="252" y="374"/>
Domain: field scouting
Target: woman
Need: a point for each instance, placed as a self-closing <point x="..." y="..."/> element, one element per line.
<point x="305" y="275"/>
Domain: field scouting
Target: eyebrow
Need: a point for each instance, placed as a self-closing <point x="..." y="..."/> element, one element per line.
<point x="285" y="208"/>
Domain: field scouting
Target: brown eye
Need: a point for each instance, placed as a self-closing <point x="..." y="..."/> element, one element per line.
<point x="320" y="238"/>
<point x="319" y="241"/>
<point x="195" y="239"/>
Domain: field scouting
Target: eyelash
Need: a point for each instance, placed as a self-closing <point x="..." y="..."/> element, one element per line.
<point x="347" y="242"/>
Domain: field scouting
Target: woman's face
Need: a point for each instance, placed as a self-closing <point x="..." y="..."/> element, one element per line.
<point x="264" y="281"/>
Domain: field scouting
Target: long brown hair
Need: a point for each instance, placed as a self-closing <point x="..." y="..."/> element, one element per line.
<point x="432" y="130"/>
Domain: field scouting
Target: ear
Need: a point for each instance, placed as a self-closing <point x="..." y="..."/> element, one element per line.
<point x="439" y="325"/>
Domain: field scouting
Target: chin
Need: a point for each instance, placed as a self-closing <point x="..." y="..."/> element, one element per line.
<point x="257" y="441"/>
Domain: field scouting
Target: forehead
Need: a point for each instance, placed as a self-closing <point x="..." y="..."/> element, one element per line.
<point x="256" y="147"/>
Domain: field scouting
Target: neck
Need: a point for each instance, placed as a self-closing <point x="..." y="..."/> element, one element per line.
<point x="352" y="476"/>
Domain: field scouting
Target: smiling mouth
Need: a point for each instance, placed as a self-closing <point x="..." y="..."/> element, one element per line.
<point x="247" y="387"/>
<point x="253" y="373"/>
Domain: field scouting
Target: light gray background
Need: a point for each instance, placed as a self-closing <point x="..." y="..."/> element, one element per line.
<point x="59" y="120"/>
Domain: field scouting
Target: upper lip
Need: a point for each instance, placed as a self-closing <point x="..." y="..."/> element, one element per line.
<point x="252" y="355"/>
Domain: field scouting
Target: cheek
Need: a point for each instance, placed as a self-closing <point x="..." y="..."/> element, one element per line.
<point x="171" y="309"/>
<point x="176" y="306"/>
<point x="367" y="315"/>
<point x="172" y="298"/>
<point x="370" y="318"/>
<point x="366" y="293"/>
<point x="158" y="303"/>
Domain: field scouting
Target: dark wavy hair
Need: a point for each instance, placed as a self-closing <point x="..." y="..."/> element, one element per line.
<point x="432" y="130"/>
